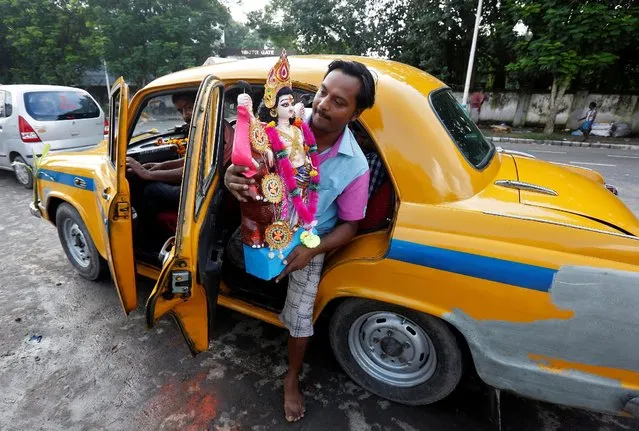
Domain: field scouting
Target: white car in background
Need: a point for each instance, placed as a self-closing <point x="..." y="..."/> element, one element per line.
<point x="31" y="116"/>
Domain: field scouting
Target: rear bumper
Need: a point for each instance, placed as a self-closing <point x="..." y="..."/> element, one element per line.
<point x="34" y="210"/>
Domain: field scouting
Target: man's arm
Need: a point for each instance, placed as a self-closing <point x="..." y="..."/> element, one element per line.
<point x="170" y="164"/>
<point x="172" y="176"/>
<point x="351" y="209"/>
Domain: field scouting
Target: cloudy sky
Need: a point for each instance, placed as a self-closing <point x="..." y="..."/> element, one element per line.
<point x="239" y="8"/>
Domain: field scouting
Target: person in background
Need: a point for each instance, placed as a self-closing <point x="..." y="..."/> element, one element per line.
<point x="477" y="99"/>
<point x="586" y="126"/>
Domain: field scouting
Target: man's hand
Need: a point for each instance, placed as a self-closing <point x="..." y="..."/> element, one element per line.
<point x="297" y="259"/>
<point x="238" y="184"/>
<point x="150" y="166"/>
<point x="134" y="167"/>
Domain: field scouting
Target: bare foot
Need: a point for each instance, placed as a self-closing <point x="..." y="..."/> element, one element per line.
<point x="293" y="399"/>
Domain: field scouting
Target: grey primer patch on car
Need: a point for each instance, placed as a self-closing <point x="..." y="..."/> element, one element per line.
<point x="604" y="331"/>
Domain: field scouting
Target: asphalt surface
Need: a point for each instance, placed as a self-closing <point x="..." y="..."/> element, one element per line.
<point x="71" y="360"/>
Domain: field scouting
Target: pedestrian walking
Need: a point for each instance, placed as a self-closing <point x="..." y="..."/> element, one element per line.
<point x="590" y="117"/>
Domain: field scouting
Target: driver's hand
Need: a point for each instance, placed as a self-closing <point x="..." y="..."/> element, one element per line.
<point x="238" y="184"/>
<point x="134" y="167"/>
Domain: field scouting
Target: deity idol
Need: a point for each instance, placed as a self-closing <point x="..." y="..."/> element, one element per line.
<point x="286" y="180"/>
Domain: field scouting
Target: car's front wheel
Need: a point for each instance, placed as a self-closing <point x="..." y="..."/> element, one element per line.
<point x="22" y="172"/>
<point x="399" y="354"/>
<point x="78" y="245"/>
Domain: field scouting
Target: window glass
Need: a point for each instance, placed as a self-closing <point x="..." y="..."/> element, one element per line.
<point x="461" y="129"/>
<point x="2" y="104"/>
<point x="60" y="105"/>
<point x="113" y="124"/>
<point x="158" y="116"/>
<point x="211" y="133"/>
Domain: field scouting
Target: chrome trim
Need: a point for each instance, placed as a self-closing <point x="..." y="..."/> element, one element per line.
<point x="520" y="185"/>
<point x="558" y="223"/>
<point x="35" y="211"/>
<point x="515" y="153"/>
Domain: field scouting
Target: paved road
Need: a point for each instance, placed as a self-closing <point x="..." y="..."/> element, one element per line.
<point x="619" y="167"/>
<point x="93" y="368"/>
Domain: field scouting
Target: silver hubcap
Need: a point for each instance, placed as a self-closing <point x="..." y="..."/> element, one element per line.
<point x="392" y="349"/>
<point x="76" y="243"/>
<point x="22" y="173"/>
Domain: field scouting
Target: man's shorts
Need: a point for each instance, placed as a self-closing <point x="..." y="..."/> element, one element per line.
<point x="297" y="314"/>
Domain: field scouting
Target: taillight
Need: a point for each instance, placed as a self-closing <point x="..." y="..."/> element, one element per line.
<point x="27" y="134"/>
<point x="106" y="128"/>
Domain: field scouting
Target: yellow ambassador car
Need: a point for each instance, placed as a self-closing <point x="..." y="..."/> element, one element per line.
<point x="524" y="270"/>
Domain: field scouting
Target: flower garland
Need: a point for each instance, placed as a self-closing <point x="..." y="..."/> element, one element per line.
<point x="305" y="212"/>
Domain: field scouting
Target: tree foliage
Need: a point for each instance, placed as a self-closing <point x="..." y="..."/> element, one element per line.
<point x="149" y="38"/>
<point x="43" y="41"/>
<point x="570" y="39"/>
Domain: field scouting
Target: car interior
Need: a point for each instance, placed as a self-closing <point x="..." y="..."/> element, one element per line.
<point x="153" y="144"/>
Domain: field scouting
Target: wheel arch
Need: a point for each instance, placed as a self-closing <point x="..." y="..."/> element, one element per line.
<point x="13" y="155"/>
<point x="328" y="306"/>
<point x="54" y="200"/>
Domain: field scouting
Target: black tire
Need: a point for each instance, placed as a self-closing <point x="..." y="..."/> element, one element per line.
<point x="25" y="180"/>
<point x="94" y="267"/>
<point x="448" y="368"/>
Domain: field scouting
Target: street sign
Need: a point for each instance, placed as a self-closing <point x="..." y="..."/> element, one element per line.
<point x="253" y="53"/>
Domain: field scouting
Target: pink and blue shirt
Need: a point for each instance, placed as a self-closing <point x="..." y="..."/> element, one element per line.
<point x="344" y="178"/>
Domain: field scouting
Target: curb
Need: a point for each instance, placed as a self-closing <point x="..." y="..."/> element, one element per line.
<point x="504" y="140"/>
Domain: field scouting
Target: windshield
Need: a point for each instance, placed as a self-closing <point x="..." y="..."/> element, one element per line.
<point x="60" y="105"/>
<point x="461" y="129"/>
<point x="159" y="116"/>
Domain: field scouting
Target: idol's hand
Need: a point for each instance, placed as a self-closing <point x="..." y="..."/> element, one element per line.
<point x="299" y="258"/>
<point x="298" y="109"/>
<point x="245" y="100"/>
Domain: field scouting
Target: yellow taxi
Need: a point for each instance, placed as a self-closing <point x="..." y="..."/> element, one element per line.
<point x="470" y="256"/>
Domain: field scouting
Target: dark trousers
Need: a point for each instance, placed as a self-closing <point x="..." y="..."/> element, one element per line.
<point x="161" y="196"/>
<point x="148" y="199"/>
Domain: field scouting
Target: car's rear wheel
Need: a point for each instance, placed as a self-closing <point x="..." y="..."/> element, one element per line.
<point x="22" y="172"/>
<point x="78" y="245"/>
<point x="399" y="354"/>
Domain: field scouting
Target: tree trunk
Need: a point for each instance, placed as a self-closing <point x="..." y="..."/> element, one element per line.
<point x="556" y="94"/>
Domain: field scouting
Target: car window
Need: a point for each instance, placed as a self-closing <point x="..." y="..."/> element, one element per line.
<point x="461" y="129"/>
<point x="212" y="143"/>
<point x="6" y="106"/>
<point x="114" y="115"/>
<point x="158" y="117"/>
<point x="60" y="105"/>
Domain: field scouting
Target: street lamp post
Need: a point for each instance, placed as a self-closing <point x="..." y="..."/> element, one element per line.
<point x="471" y="60"/>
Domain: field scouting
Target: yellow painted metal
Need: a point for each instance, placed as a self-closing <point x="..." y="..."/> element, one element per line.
<point x="112" y="190"/>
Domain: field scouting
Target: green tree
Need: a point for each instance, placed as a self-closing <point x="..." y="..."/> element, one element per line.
<point x="567" y="39"/>
<point x="238" y="35"/>
<point x="326" y="27"/>
<point x="47" y="42"/>
<point x="148" y="38"/>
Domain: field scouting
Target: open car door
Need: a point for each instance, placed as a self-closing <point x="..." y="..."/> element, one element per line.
<point x="115" y="201"/>
<point x="188" y="284"/>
